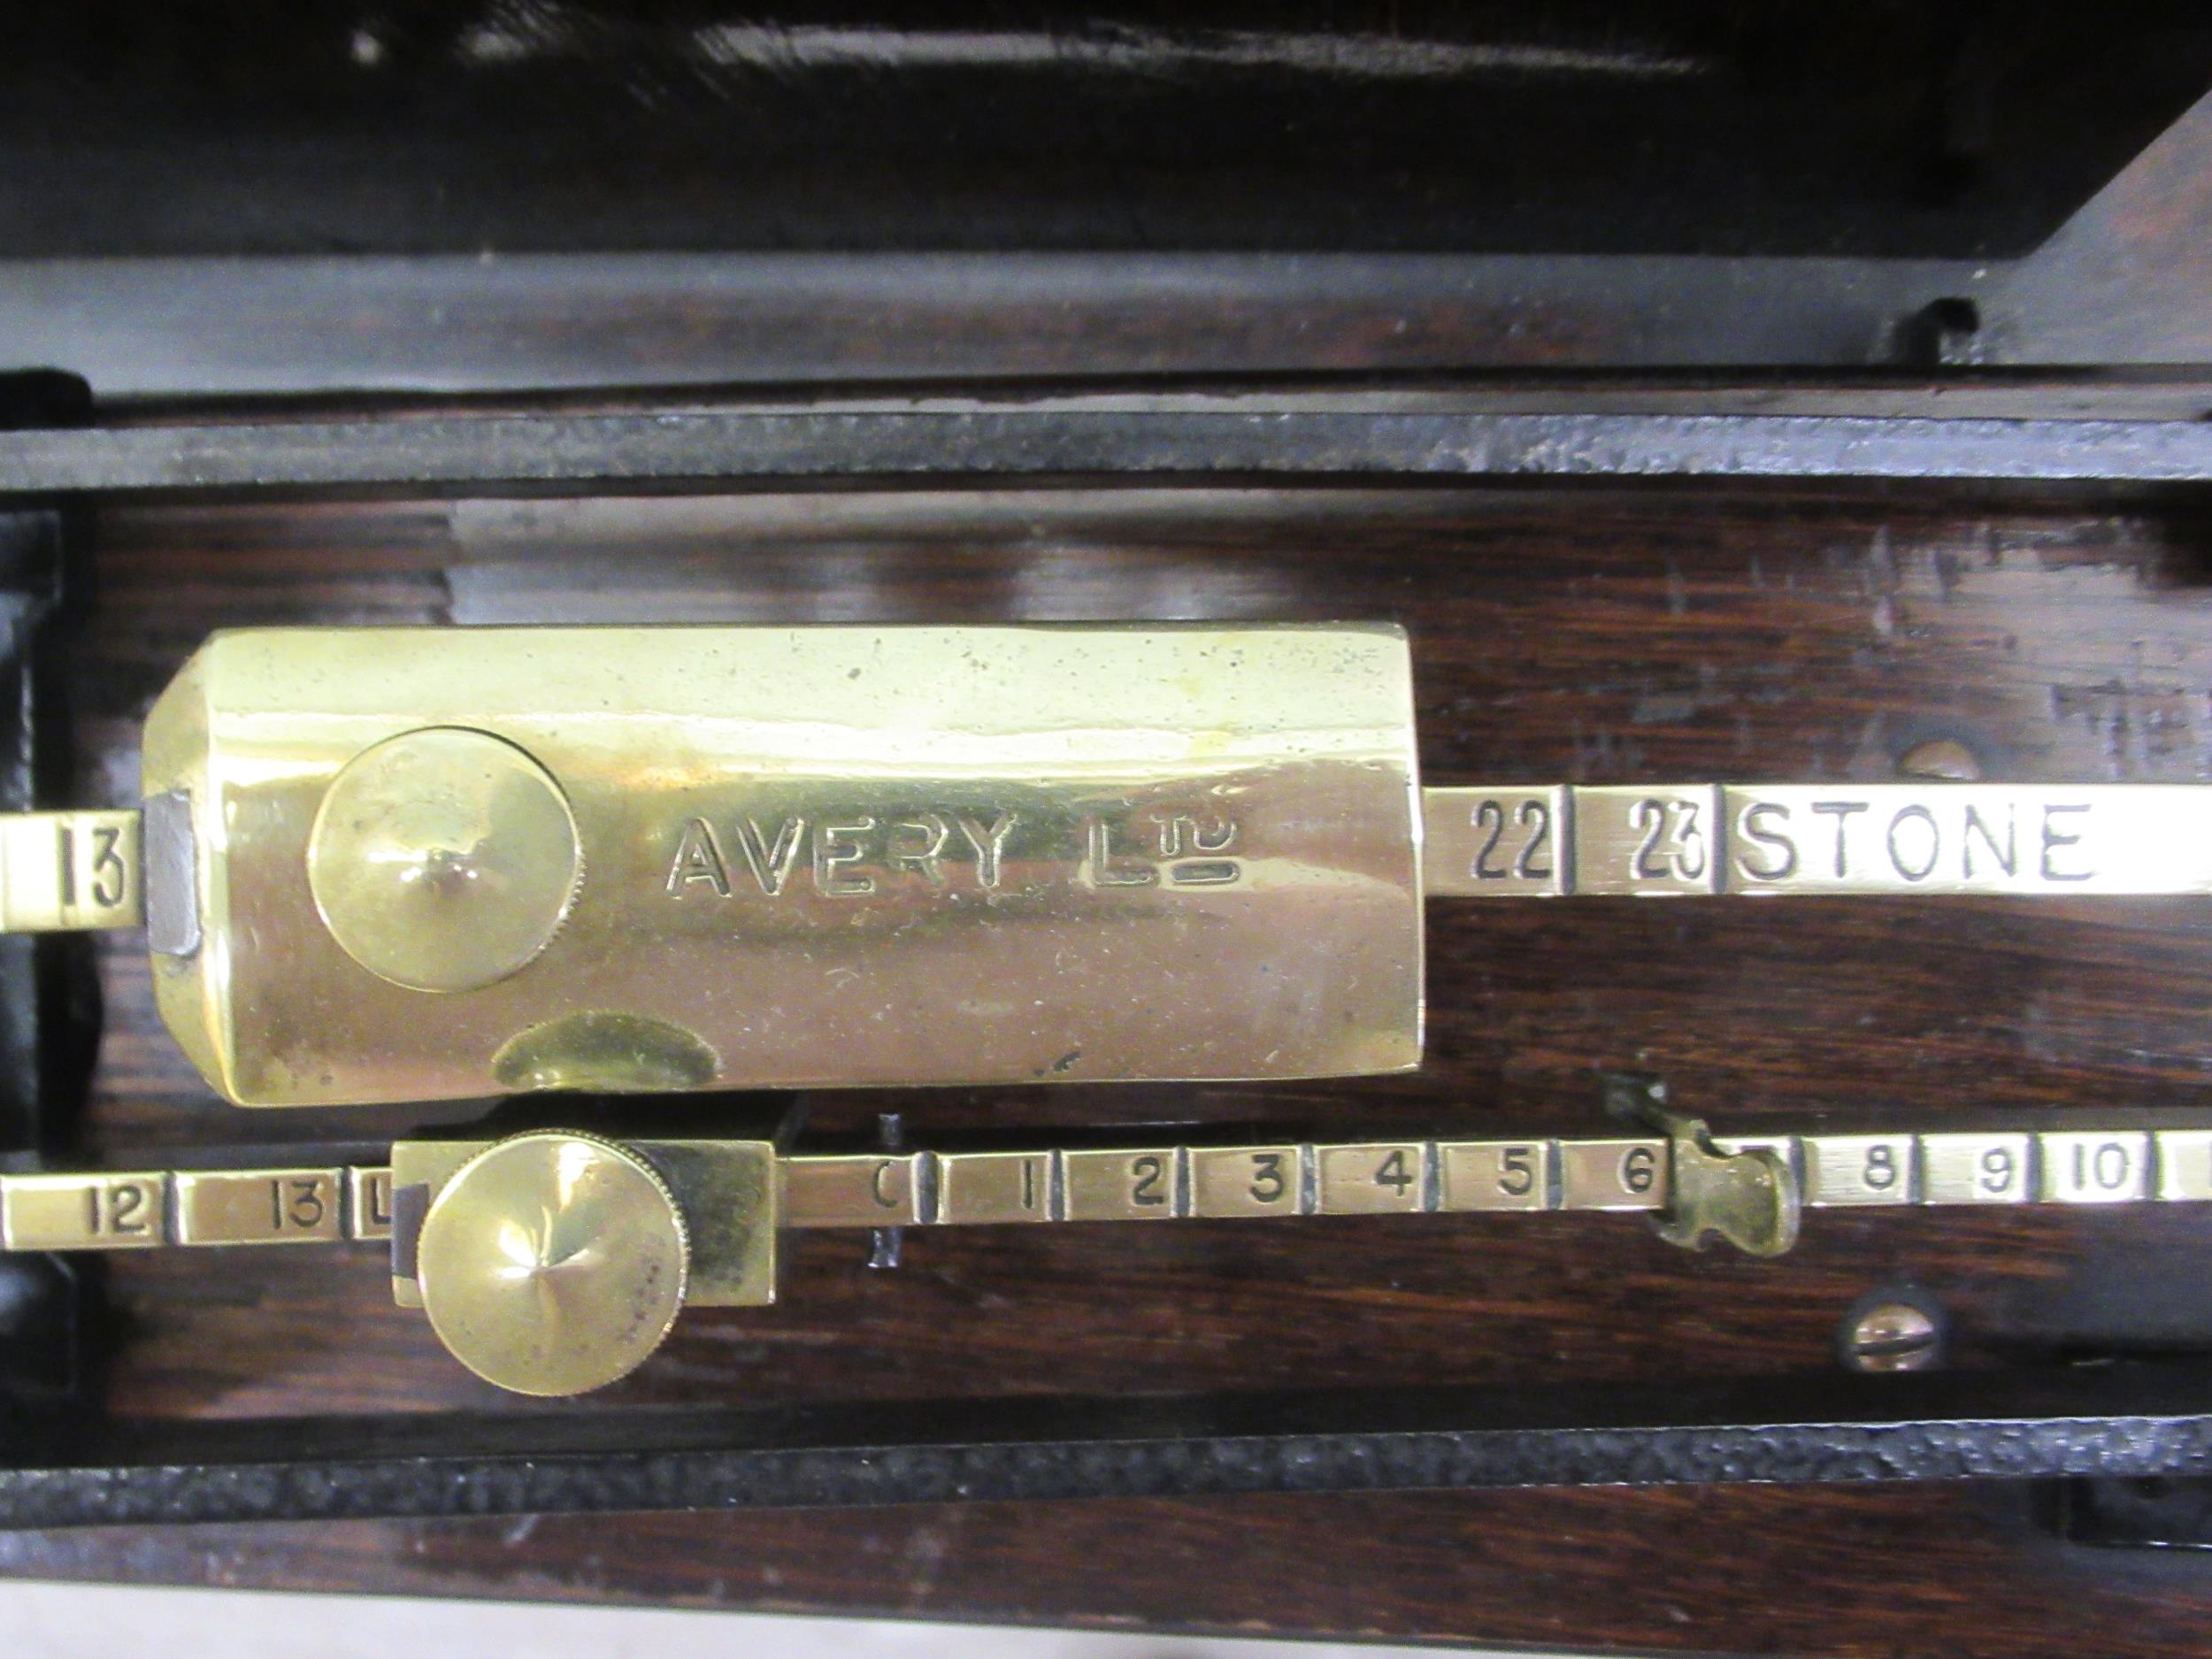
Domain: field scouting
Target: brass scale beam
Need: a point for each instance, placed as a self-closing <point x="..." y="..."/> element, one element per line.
<point x="670" y="1223"/>
<point x="134" y="1210"/>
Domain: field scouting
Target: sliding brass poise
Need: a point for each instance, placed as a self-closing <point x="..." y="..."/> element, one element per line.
<point x="553" y="1263"/>
<point x="410" y="864"/>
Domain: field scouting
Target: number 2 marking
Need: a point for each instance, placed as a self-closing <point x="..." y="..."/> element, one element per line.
<point x="1149" y="1171"/>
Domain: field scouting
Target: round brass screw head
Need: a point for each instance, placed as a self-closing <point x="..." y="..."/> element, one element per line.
<point x="553" y="1263"/>
<point x="1892" y="1336"/>
<point x="1940" y="757"/>
<point x="443" y="859"/>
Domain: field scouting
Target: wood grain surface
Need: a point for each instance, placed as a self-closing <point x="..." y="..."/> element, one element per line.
<point x="1584" y="634"/>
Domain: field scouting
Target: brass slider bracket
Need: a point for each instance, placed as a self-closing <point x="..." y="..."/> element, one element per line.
<point x="489" y="861"/>
<point x="556" y="1262"/>
<point x="1747" y="1194"/>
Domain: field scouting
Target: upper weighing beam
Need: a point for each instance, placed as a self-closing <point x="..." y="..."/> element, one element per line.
<point x="419" y="864"/>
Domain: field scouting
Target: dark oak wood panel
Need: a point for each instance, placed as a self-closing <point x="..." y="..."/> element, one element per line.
<point x="1586" y="635"/>
<point x="1743" y="1570"/>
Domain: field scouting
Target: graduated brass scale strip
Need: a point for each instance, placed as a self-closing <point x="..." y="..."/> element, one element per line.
<point x="1658" y="841"/>
<point x="631" y="1232"/>
<point x="124" y="1209"/>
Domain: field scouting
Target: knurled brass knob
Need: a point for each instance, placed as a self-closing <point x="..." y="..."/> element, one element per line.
<point x="443" y="859"/>
<point x="553" y="1263"/>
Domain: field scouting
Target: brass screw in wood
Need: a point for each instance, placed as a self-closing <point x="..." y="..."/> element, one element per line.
<point x="1892" y="1336"/>
<point x="1940" y="757"/>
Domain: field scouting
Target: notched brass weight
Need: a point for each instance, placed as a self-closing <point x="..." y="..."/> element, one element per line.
<point x="412" y="864"/>
<point x="556" y="1262"/>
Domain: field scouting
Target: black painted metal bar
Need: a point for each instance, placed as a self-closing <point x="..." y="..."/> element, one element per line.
<point x="2144" y="1421"/>
<point x="1283" y="440"/>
